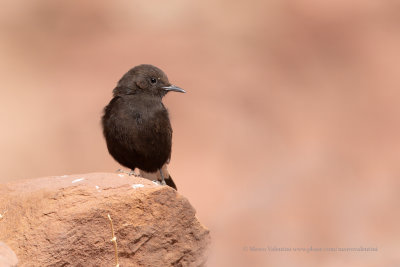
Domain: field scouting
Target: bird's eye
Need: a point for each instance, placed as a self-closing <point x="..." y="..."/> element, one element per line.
<point x="153" y="80"/>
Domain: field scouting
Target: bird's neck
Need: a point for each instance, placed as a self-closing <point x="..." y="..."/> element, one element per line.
<point x="122" y="91"/>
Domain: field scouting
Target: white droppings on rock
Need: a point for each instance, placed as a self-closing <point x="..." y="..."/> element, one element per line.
<point x="134" y="186"/>
<point x="78" y="180"/>
<point x="2" y="215"/>
<point x="155" y="182"/>
<point x="121" y="175"/>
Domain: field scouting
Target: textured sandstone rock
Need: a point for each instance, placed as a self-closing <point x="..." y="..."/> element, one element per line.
<point x="62" y="221"/>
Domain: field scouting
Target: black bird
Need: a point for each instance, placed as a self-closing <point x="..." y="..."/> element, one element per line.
<point x="136" y="124"/>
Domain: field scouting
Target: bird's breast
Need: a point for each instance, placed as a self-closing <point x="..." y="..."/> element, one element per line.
<point x="138" y="132"/>
<point x="145" y="123"/>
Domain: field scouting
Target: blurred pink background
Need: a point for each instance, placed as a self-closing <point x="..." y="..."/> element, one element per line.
<point x="289" y="133"/>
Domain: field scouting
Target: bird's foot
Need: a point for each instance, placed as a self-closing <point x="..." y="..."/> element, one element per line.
<point x="158" y="182"/>
<point x="131" y="172"/>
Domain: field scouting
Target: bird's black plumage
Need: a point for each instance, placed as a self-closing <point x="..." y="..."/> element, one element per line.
<point x="136" y="124"/>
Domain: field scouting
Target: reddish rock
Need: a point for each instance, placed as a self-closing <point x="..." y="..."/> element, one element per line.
<point x="62" y="221"/>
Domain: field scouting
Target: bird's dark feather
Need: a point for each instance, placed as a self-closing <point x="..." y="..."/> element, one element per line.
<point x="136" y="124"/>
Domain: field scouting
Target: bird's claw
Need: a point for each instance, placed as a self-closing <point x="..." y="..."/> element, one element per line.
<point x="159" y="182"/>
<point x="131" y="172"/>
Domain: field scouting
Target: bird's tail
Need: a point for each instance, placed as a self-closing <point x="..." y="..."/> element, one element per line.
<point x="170" y="182"/>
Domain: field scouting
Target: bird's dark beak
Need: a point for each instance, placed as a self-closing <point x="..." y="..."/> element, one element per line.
<point x="173" y="88"/>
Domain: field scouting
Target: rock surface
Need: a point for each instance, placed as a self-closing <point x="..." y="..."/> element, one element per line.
<point x="62" y="221"/>
<point x="7" y="256"/>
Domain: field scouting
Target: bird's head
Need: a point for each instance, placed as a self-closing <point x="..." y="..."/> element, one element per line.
<point x="145" y="79"/>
